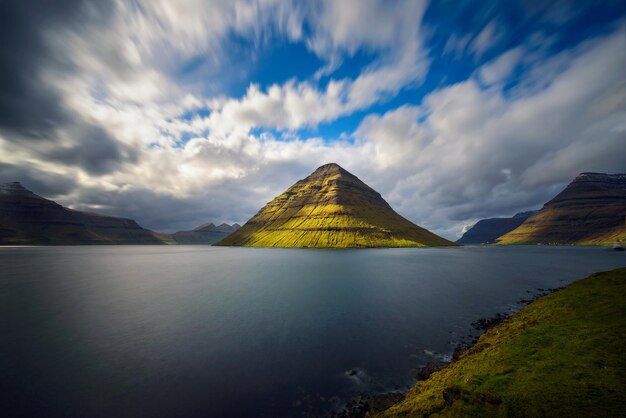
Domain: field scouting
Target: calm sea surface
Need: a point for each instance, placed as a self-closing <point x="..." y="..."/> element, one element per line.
<point x="185" y="331"/>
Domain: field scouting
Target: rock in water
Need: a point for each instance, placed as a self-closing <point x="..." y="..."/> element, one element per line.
<point x="590" y="210"/>
<point x="331" y="208"/>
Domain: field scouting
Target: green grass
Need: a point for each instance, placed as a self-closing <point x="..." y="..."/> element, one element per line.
<point x="561" y="356"/>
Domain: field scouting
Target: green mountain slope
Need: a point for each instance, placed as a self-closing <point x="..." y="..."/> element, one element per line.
<point x="330" y="208"/>
<point x="590" y="210"/>
<point x="560" y="356"/>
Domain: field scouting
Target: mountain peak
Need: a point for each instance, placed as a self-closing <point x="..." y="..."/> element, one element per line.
<point x="328" y="170"/>
<point x="594" y="184"/>
<point x="205" y="227"/>
<point x="13" y="187"/>
<point x="593" y="176"/>
<point x="333" y="166"/>
<point x="590" y="210"/>
<point x="330" y="208"/>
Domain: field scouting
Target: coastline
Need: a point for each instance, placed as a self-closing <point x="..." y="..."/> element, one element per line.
<point x="479" y="338"/>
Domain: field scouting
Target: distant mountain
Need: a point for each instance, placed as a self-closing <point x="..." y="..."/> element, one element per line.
<point x="591" y="210"/>
<point x="486" y="231"/>
<point x="330" y="208"/>
<point x="205" y="234"/>
<point x="26" y="218"/>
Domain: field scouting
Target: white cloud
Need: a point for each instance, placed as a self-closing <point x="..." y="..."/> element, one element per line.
<point x="477" y="152"/>
<point x="486" y="39"/>
<point x="465" y="152"/>
<point x="289" y="106"/>
<point x="295" y="105"/>
<point x="456" y="45"/>
<point x="500" y="68"/>
<point x="127" y="81"/>
<point x="350" y="25"/>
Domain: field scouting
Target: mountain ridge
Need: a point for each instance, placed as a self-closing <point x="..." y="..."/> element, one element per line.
<point x="487" y="231"/>
<point x="207" y="233"/>
<point x="590" y="210"/>
<point x="27" y="218"/>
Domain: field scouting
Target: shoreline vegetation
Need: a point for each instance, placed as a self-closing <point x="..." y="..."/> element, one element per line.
<point x="559" y="356"/>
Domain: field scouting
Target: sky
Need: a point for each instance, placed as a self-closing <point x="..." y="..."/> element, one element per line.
<point x="178" y="113"/>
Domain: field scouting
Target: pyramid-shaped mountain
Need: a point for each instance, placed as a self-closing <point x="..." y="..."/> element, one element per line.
<point x="331" y="208"/>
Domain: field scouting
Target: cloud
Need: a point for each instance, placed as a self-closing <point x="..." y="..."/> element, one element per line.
<point x="95" y="152"/>
<point x="469" y="152"/>
<point x="29" y="107"/>
<point x="289" y="106"/>
<point x="486" y="39"/>
<point x="352" y="25"/>
<point x="297" y="105"/>
<point x="128" y="90"/>
<point x="35" y="117"/>
<point x="45" y="183"/>
<point x="121" y="132"/>
<point x="456" y="45"/>
<point x="501" y="67"/>
<point x="130" y="78"/>
<point x="464" y="153"/>
<point x="338" y="28"/>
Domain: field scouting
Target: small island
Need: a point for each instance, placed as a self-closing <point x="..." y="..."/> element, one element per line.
<point x="331" y="208"/>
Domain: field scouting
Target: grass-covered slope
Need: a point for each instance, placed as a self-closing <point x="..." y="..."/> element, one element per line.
<point x="561" y="356"/>
<point x="330" y="208"/>
<point x="589" y="211"/>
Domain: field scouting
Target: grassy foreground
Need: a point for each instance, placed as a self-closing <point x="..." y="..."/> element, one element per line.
<point x="561" y="356"/>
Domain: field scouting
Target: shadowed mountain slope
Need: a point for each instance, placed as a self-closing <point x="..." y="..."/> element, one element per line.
<point x="205" y="234"/>
<point x="486" y="231"/>
<point x="331" y="208"/>
<point x="591" y="210"/>
<point x="26" y="218"/>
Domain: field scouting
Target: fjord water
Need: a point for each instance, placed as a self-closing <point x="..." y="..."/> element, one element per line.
<point x="213" y="331"/>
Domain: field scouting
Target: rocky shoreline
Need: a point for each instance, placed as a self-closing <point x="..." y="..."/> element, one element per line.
<point x="362" y="406"/>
